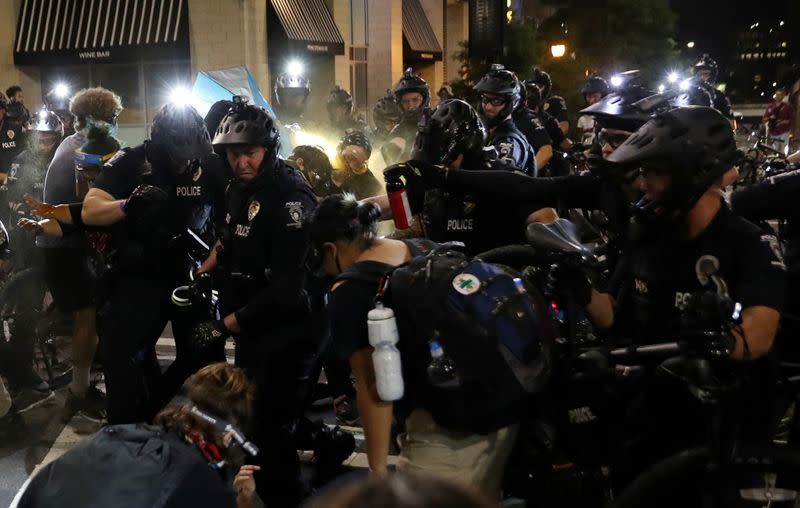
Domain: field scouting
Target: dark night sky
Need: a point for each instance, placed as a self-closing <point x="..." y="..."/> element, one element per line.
<point x="711" y="20"/>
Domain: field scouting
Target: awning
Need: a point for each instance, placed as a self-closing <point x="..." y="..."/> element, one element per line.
<point x="419" y="40"/>
<point x="309" y="26"/>
<point x="73" y="31"/>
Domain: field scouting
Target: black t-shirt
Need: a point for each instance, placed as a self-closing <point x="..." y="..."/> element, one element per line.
<point x="556" y="107"/>
<point x="363" y="186"/>
<point x="533" y="129"/>
<point x="512" y="147"/>
<point x="348" y="306"/>
<point x="264" y="240"/>
<point x="195" y="200"/>
<point x="657" y="273"/>
<point x="722" y="103"/>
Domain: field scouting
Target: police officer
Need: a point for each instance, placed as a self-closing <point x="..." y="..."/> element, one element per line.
<point x="500" y="93"/>
<point x="686" y="237"/>
<point x="453" y="138"/>
<point x="11" y="136"/>
<point x="705" y="73"/>
<point x="261" y="256"/>
<point x="593" y="90"/>
<point x="554" y="105"/>
<point x="26" y="176"/>
<point x="413" y="96"/>
<point x="527" y="119"/>
<point x="340" y="112"/>
<point x="291" y="96"/>
<point x="153" y="195"/>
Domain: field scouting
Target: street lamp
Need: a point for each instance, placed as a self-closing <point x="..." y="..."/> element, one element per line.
<point x="690" y="44"/>
<point x="558" y="50"/>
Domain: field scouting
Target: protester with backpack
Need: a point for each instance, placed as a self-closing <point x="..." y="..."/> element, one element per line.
<point x="460" y="392"/>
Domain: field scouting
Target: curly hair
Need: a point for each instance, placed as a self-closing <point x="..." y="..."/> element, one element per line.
<point x="219" y="389"/>
<point x="94" y="103"/>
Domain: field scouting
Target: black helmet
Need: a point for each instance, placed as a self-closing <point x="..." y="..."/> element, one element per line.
<point x="355" y="137"/>
<point x="542" y="79"/>
<point x="595" y="84"/>
<point x="180" y="131"/>
<point x="412" y="83"/>
<point x="47" y="121"/>
<point x="502" y="82"/>
<point x="340" y="97"/>
<point x="451" y="129"/>
<point x="291" y="82"/>
<point x="3" y="101"/>
<point x="621" y="110"/>
<point x="386" y="110"/>
<point x="707" y="63"/>
<point x="247" y="124"/>
<point x="16" y="111"/>
<point x="696" y="92"/>
<point x="695" y="145"/>
<point x="216" y="113"/>
<point x="533" y="96"/>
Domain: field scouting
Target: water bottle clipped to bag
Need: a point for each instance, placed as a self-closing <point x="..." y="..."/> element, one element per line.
<point x="383" y="337"/>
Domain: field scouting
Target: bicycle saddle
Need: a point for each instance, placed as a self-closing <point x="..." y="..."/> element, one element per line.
<point x="560" y="236"/>
<point x="698" y="374"/>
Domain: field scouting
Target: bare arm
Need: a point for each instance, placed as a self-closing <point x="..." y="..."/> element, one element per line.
<point x="101" y="209"/>
<point x="601" y="309"/>
<point x="211" y="261"/>
<point x="382" y="201"/>
<point x="544" y="155"/>
<point x="376" y="415"/>
<point x="759" y="326"/>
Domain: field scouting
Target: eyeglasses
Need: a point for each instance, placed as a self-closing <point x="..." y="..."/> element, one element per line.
<point x="494" y="101"/>
<point x="613" y="139"/>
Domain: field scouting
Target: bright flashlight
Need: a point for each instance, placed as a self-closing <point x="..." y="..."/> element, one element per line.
<point x="181" y="96"/>
<point x="61" y="90"/>
<point x="685" y="84"/>
<point x="616" y="81"/>
<point x="294" y="68"/>
<point x="661" y="88"/>
<point x="672" y="77"/>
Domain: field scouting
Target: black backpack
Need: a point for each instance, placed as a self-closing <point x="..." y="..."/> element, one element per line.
<point x="497" y="335"/>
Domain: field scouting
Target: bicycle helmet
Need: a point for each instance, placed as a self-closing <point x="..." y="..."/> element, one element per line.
<point x="452" y="128"/>
<point x="595" y="84"/>
<point x="504" y="83"/>
<point x="355" y="137"/>
<point x="386" y="110"/>
<point x="533" y="96"/>
<point x="340" y="98"/>
<point x="291" y="82"/>
<point x="412" y="83"/>
<point x="619" y="109"/>
<point x="542" y="79"/>
<point x="694" y="145"/>
<point x="179" y="130"/>
<point x="247" y="124"/>
<point x="47" y="121"/>
<point x="707" y="63"/>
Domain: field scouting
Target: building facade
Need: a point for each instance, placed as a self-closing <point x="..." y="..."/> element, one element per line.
<point x="144" y="49"/>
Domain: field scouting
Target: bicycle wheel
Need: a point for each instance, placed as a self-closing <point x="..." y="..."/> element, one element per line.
<point x="753" y="475"/>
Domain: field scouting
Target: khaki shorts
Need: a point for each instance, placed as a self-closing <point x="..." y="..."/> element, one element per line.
<point x="474" y="460"/>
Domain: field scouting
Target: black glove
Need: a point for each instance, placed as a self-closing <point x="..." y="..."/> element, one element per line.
<point x="208" y="333"/>
<point x="568" y="282"/>
<point x="144" y="201"/>
<point x="200" y="289"/>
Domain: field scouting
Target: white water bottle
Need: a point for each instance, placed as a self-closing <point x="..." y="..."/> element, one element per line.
<point x="383" y="336"/>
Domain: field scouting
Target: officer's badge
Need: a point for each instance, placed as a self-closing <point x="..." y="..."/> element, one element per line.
<point x="504" y="149"/>
<point x="197" y="174"/>
<point x="469" y="207"/>
<point x="295" y="211"/>
<point x="12" y="173"/>
<point x="252" y="210"/>
<point x="10" y="133"/>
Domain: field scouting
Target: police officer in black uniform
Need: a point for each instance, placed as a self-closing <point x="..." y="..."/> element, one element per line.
<point x="501" y="94"/>
<point x="413" y="96"/>
<point x="12" y="137"/>
<point x="23" y="304"/>
<point x="340" y="113"/>
<point x="554" y="105"/>
<point x="452" y="138"/>
<point x="705" y="73"/>
<point x="153" y="194"/>
<point x="261" y="257"/>
<point x="528" y="123"/>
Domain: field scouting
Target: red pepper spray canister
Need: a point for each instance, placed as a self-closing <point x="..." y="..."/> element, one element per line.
<point x="398" y="200"/>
